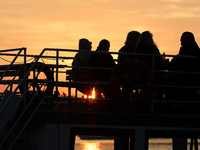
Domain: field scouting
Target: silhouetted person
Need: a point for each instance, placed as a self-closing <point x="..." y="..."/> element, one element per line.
<point x="189" y="47"/>
<point x="101" y="60"/>
<point x="80" y="61"/>
<point x="146" y="45"/>
<point x="129" y="46"/>
<point x="81" y="58"/>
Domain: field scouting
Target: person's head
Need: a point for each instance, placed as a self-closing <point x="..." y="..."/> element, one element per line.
<point x="187" y="39"/>
<point x="85" y="44"/>
<point x="188" y="44"/>
<point x="104" y="45"/>
<point x="132" y="38"/>
<point x="146" y="39"/>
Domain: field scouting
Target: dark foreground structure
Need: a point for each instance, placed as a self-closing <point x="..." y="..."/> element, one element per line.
<point x="34" y="115"/>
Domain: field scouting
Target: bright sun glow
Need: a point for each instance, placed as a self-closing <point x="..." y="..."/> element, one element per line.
<point x="91" y="96"/>
<point x="90" y="146"/>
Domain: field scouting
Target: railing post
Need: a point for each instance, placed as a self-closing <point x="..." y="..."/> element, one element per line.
<point x="25" y="81"/>
<point x="153" y="69"/>
<point x="57" y="63"/>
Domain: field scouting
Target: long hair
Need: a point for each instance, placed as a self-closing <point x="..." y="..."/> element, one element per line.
<point x="190" y="47"/>
<point x="132" y="38"/>
<point x="145" y="39"/>
<point x="189" y="36"/>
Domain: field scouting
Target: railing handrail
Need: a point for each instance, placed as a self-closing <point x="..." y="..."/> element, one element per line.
<point x="57" y="57"/>
<point x="12" y="62"/>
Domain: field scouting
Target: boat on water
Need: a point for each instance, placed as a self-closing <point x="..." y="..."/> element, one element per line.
<point x="34" y="115"/>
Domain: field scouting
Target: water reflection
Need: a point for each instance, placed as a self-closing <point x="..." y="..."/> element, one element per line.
<point x="90" y="146"/>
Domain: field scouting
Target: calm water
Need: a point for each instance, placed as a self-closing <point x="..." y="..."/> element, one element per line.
<point x="154" y="144"/>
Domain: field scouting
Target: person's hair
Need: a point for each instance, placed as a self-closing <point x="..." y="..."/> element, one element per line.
<point x="190" y="38"/>
<point x="146" y="39"/>
<point x="189" y="35"/>
<point x="84" y="44"/>
<point x="103" y="45"/>
<point x="190" y="47"/>
<point x="132" y="38"/>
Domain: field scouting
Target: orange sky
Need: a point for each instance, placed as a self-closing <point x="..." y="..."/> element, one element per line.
<point x="39" y="24"/>
<point x="61" y="23"/>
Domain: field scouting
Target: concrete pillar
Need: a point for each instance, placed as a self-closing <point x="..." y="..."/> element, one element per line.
<point x="121" y="142"/>
<point x="66" y="138"/>
<point x="141" y="142"/>
<point x="42" y="138"/>
<point x="132" y="141"/>
<point x="179" y="143"/>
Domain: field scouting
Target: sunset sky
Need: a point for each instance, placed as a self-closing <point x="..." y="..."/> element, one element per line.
<point x="38" y="24"/>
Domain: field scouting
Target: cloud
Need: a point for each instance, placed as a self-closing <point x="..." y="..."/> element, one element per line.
<point x="61" y="23"/>
<point x="174" y="9"/>
<point x="180" y="15"/>
<point x="180" y="1"/>
<point x="172" y="0"/>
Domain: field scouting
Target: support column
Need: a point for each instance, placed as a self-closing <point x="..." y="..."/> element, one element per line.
<point x="132" y="141"/>
<point x="66" y="138"/>
<point x="141" y="142"/>
<point x="179" y="143"/>
<point x="121" y="142"/>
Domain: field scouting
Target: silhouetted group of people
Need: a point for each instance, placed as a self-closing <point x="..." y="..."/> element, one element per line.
<point x="99" y="64"/>
<point x="137" y="46"/>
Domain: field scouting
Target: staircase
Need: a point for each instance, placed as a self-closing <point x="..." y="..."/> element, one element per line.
<point x="13" y="104"/>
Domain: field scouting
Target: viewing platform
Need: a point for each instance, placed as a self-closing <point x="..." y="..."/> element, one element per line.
<point x="41" y="108"/>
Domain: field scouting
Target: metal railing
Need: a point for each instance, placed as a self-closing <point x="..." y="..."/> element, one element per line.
<point x="61" y="60"/>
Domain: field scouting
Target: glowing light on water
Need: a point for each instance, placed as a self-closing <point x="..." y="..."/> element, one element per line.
<point x="90" y="146"/>
<point x="91" y="96"/>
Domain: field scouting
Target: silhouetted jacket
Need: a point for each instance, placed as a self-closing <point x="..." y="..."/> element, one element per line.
<point x="192" y="50"/>
<point x="81" y="60"/>
<point x="184" y="63"/>
<point x="125" y="49"/>
<point x="158" y="62"/>
<point x="103" y="60"/>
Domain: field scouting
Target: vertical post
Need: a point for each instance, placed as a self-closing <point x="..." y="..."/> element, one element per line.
<point x="57" y="63"/>
<point x="69" y="91"/>
<point x="67" y="137"/>
<point x="152" y="106"/>
<point x="76" y="93"/>
<point x="121" y="142"/>
<point x="25" y="81"/>
<point x="141" y="142"/>
<point x="196" y="143"/>
<point x="11" y="87"/>
<point x="132" y="139"/>
<point x="179" y="143"/>
<point x="191" y="143"/>
<point x="34" y="83"/>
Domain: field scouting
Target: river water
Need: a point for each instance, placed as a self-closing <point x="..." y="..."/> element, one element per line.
<point x="154" y="144"/>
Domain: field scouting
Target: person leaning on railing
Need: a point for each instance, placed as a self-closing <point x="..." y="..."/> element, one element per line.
<point x="146" y="45"/>
<point x="183" y="62"/>
<point x="189" y="47"/>
<point x="79" y="64"/>
<point x="129" y="46"/>
<point x="100" y="59"/>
